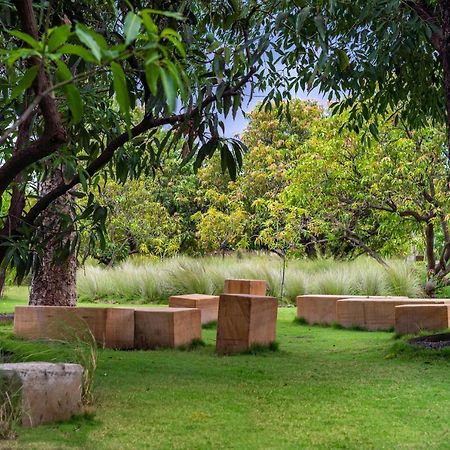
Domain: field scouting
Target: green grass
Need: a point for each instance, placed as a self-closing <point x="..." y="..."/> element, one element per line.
<point x="323" y="388"/>
<point x="13" y="296"/>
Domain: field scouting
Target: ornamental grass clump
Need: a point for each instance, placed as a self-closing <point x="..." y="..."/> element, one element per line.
<point x="148" y="280"/>
<point x="10" y="405"/>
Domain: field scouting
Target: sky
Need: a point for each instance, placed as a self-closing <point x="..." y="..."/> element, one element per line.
<point x="235" y="127"/>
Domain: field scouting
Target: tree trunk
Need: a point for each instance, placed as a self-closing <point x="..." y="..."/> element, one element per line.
<point x="429" y="243"/>
<point x="445" y="56"/>
<point x="54" y="274"/>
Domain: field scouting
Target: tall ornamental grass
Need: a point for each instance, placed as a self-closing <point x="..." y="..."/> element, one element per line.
<point x="150" y="281"/>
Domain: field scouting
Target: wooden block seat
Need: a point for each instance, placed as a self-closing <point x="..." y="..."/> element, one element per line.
<point x="241" y="286"/>
<point x="110" y="327"/>
<point x="59" y="322"/>
<point x="166" y="327"/>
<point x="245" y="320"/>
<point x="411" y="319"/>
<point x="321" y="309"/>
<point x="49" y="392"/>
<point x="207" y="304"/>
<point x="373" y="314"/>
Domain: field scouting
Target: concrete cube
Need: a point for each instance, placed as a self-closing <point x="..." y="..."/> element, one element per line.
<point x="207" y="304"/>
<point x="245" y="320"/>
<point x="50" y="392"/>
<point x="166" y="327"/>
<point x="251" y="287"/>
<point x="411" y="319"/>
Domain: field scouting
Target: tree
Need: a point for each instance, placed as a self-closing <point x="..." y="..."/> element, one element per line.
<point x="378" y="197"/>
<point x="251" y="212"/>
<point x="374" y="60"/>
<point x="77" y="70"/>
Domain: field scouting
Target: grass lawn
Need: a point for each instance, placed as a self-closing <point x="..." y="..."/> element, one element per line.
<point x="325" y="388"/>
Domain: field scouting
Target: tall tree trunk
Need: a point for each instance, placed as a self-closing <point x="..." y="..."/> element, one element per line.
<point x="429" y="243"/>
<point x="17" y="202"/>
<point x="54" y="278"/>
<point x="445" y="57"/>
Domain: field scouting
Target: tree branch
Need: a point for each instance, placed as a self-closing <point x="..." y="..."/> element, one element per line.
<point x="145" y="125"/>
<point x="429" y="17"/>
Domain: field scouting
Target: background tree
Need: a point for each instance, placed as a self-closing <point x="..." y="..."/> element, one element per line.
<point x="254" y="203"/>
<point x="373" y="59"/>
<point x="376" y="198"/>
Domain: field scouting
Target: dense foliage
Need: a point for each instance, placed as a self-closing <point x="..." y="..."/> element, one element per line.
<point x="307" y="187"/>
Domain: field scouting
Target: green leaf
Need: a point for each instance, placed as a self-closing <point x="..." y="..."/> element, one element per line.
<point x="169" y="88"/>
<point x="131" y="27"/>
<point x="344" y="61"/>
<point x="175" y="38"/>
<point x="78" y="50"/>
<point x="58" y="36"/>
<point x="172" y="14"/>
<point x="150" y="26"/>
<point x="86" y="36"/>
<point x="26" y="38"/>
<point x="320" y="24"/>
<point x="25" y="82"/>
<point x="301" y="18"/>
<point x="71" y="92"/>
<point x="152" y="72"/>
<point x="121" y="90"/>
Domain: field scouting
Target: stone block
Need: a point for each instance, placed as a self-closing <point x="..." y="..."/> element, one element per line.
<point x="411" y="319"/>
<point x="245" y="320"/>
<point x="166" y="327"/>
<point x="373" y="314"/>
<point x="207" y="304"/>
<point x="321" y="309"/>
<point x="49" y="392"/>
<point x="60" y="322"/>
<point x="119" y="332"/>
<point x="251" y="287"/>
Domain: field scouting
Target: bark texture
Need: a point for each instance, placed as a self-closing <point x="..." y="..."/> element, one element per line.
<point x="54" y="278"/>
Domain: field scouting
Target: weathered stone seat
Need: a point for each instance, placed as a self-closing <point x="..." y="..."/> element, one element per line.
<point x="207" y="304"/>
<point x="373" y="314"/>
<point x="251" y="287"/>
<point x="49" y="392"/>
<point x="411" y="319"/>
<point x="245" y="320"/>
<point x="166" y="327"/>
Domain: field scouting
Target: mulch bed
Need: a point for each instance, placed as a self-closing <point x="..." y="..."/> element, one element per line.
<point x="433" y="341"/>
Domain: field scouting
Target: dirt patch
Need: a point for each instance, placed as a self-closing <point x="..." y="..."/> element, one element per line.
<point x="433" y="341"/>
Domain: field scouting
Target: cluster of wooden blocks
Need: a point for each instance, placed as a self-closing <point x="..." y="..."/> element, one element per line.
<point x="403" y="314"/>
<point x="245" y="316"/>
<point x="117" y="328"/>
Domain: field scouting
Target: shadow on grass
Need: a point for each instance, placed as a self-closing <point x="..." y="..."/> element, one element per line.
<point x="334" y="325"/>
<point x="195" y="344"/>
<point x="210" y="325"/>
